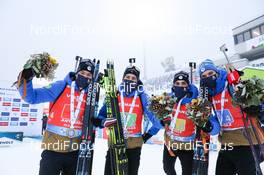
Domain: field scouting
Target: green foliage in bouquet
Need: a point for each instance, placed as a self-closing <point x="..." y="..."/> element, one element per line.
<point x="43" y="65"/>
<point x="199" y="111"/>
<point x="162" y="105"/>
<point x="249" y="92"/>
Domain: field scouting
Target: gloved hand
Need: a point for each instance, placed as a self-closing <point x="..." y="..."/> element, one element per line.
<point x="146" y="136"/>
<point x="27" y="74"/>
<point x="108" y="122"/>
<point x="254" y="110"/>
<point x="207" y="127"/>
<point x="97" y="122"/>
<point x="166" y="120"/>
<point x="234" y="76"/>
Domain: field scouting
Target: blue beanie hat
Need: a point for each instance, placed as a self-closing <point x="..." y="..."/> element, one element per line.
<point x="207" y="65"/>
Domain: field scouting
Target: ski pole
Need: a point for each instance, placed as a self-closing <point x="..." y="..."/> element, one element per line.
<point x="257" y="136"/>
<point x="250" y="141"/>
<point x="78" y="59"/>
<point x="233" y="76"/>
<point x="132" y="61"/>
<point x="192" y="66"/>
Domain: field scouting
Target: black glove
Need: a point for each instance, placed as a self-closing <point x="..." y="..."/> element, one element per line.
<point x="72" y="76"/>
<point x="96" y="122"/>
<point x="166" y="120"/>
<point x="253" y="110"/>
<point x="146" y="136"/>
<point x="28" y="74"/>
<point x="207" y="127"/>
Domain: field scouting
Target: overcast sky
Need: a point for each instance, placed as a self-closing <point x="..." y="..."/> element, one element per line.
<point x="188" y="30"/>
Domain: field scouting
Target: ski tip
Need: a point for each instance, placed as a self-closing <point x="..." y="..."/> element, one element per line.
<point x="112" y="65"/>
<point x="108" y="64"/>
<point x="100" y="76"/>
<point x="105" y="73"/>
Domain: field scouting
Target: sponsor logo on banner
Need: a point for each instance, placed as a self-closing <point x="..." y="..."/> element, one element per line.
<point x="5" y="109"/>
<point x="13" y="123"/>
<point x="5" y="113"/>
<point x="31" y="123"/>
<point x="23" y="114"/>
<point x="7" y="99"/>
<point x="25" y="105"/>
<point x="3" y="123"/>
<point x="33" y="110"/>
<point x="4" y="118"/>
<point x="15" y="109"/>
<point x="16" y="114"/>
<point x="16" y="100"/>
<point x="23" y="123"/>
<point x="6" y="104"/>
<point x="16" y="105"/>
<point x="24" y="110"/>
<point x="14" y="119"/>
<point x="33" y="114"/>
<point x="23" y="119"/>
<point x="33" y="119"/>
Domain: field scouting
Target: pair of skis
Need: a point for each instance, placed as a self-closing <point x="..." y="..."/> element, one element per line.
<point x="117" y="141"/>
<point x="85" y="157"/>
<point x="201" y="150"/>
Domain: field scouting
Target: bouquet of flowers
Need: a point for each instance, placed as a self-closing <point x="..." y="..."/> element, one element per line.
<point x="199" y="111"/>
<point x="249" y="92"/>
<point x="162" y="105"/>
<point x="43" y="65"/>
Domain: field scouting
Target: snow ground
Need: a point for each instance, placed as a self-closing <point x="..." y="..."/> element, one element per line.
<point x="23" y="158"/>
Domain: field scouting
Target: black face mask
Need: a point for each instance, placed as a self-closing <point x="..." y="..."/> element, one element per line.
<point x="179" y="92"/>
<point x="209" y="82"/>
<point x="82" y="81"/>
<point x="129" y="86"/>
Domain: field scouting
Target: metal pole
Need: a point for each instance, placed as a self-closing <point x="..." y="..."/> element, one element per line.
<point x="144" y="60"/>
<point x="192" y="66"/>
<point x="191" y="76"/>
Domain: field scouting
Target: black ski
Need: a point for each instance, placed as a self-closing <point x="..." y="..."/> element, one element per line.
<point x="85" y="158"/>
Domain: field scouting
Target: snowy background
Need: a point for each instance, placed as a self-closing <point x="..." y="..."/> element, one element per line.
<point x="188" y="30"/>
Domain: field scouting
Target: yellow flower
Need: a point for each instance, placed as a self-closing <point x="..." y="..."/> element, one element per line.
<point x="194" y="102"/>
<point x="52" y="60"/>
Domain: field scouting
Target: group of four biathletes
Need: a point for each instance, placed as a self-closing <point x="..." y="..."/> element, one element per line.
<point x="63" y="160"/>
